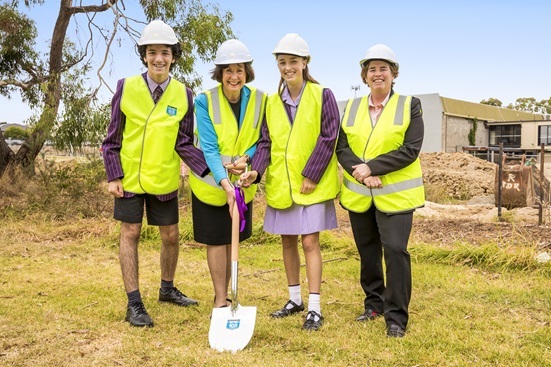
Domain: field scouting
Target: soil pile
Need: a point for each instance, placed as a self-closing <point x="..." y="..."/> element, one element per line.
<point x="461" y="175"/>
<point x="471" y="181"/>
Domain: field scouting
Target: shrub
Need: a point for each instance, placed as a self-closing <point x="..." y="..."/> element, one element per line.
<point x="58" y="190"/>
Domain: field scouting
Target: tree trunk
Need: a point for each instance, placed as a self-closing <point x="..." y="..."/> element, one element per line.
<point x="24" y="159"/>
<point x="6" y="155"/>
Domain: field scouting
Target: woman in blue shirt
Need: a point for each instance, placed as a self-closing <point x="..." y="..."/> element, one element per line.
<point x="228" y="126"/>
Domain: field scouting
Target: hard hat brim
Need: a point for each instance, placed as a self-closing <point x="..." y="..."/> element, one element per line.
<point x="293" y="53"/>
<point x="288" y="52"/>
<point x="363" y="61"/>
<point x="232" y="61"/>
<point x="156" y="42"/>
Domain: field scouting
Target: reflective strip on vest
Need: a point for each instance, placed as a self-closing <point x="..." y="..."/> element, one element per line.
<point x="216" y="107"/>
<point x="385" y="190"/>
<point x="208" y="179"/>
<point x="233" y="141"/>
<point x="402" y="190"/>
<point x="353" y="111"/>
<point x="398" y="117"/>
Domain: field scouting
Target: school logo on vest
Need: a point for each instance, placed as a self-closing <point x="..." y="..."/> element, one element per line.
<point x="171" y="110"/>
<point x="233" y="324"/>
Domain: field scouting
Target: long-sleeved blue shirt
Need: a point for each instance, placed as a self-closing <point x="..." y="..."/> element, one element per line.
<point x="208" y="139"/>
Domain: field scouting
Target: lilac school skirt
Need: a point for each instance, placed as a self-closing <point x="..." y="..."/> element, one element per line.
<point x="300" y="219"/>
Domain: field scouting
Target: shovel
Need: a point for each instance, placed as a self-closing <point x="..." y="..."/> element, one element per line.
<point x="231" y="328"/>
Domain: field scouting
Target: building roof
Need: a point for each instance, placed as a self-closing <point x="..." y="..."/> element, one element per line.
<point x="456" y="107"/>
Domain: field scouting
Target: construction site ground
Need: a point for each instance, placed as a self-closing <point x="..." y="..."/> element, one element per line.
<point x="472" y="216"/>
<point x="465" y="210"/>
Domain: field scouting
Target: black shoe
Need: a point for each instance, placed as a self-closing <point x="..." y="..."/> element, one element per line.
<point x="284" y="312"/>
<point x="173" y="295"/>
<point x="311" y="324"/>
<point x="395" y="331"/>
<point x="368" y="315"/>
<point x="136" y="315"/>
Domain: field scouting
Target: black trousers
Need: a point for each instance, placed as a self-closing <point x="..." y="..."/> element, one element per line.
<point x="379" y="235"/>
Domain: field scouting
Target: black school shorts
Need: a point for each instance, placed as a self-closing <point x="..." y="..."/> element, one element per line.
<point x="159" y="213"/>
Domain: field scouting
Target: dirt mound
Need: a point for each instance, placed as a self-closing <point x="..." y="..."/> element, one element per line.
<point x="460" y="175"/>
<point x="471" y="180"/>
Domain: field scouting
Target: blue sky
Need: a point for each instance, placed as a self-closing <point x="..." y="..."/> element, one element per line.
<point x="468" y="50"/>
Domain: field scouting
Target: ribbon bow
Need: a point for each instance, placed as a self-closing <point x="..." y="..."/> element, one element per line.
<point x="241" y="206"/>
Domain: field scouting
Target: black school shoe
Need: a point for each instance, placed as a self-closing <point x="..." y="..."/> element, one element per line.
<point x="395" y="331"/>
<point x="173" y="295"/>
<point x="136" y="315"/>
<point x="311" y="324"/>
<point x="284" y="312"/>
<point x="368" y="315"/>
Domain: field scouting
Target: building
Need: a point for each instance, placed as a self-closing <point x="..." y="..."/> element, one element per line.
<point x="449" y="122"/>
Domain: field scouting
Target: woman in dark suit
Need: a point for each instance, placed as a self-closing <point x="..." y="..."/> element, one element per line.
<point x="378" y="147"/>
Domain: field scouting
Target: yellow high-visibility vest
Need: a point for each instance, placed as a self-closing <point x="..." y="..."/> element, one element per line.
<point x="292" y="145"/>
<point x="402" y="189"/>
<point x="232" y="142"/>
<point x="148" y="157"/>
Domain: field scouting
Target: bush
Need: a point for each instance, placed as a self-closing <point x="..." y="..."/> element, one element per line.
<point x="59" y="190"/>
<point x="15" y="132"/>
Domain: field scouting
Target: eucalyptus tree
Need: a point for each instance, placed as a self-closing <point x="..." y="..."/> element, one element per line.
<point x="61" y="76"/>
<point x="532" y="105"/>
<point x="529" y="104"/>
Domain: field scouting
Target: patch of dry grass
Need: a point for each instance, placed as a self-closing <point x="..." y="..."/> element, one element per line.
<point x="62" y="303"/>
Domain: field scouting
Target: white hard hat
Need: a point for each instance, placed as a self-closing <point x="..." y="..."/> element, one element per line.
<point x="292" y="44"/>
<point x="232" y="52"/>
<point x="158" y="33"/>
<point x="380" y="52"/>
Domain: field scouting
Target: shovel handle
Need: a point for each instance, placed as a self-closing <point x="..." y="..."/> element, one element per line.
<point x="236" y="166"/>
<point x="235" y="233"/>
<point x="234" y="255"/>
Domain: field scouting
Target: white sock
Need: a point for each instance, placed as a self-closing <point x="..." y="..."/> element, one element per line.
<point x="314" y="304"/>
<point x="294" y="294"/>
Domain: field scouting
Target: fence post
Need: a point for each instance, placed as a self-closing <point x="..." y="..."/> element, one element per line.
<point x="500" y="174"/>
<point x="542" y="177"/>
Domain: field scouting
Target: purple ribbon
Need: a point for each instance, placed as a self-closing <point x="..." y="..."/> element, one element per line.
<point x="241" y="206"/>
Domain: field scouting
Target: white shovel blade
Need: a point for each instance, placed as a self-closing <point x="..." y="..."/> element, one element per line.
<point x="231" y="331"/>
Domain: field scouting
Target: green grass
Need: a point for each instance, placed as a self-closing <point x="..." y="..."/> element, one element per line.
<point x="62" y="303"/>
<point x="62" y="300"/>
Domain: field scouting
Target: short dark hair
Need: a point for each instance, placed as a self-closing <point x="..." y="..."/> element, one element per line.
<point x="216" y="73"/>
<point x="176" y="53"/>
